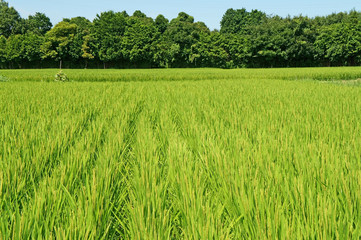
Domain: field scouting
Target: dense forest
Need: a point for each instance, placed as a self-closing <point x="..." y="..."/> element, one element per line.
<point x="118" y="40"/>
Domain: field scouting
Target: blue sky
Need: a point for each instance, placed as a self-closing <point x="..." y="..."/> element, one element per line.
<point x="208" y="11"/>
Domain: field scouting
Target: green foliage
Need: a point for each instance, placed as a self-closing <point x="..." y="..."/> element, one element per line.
<point x="32" y="47"/>
<point x="139" y="14"/>
<point x="237" y="21"/>
<point x="63" y="43"/>
<point x="2" y="50"/>
<point x="161" y="23"/>
<point x="108" y="29"/>
<point x="86" y="49"/>
<point x="82" y="23"/>
<point x="22" y="49"/>
<point x="183" y="33"/>
<point x="138" y="39"/>
<point x="9" y="20"/>
<point x="39" y="23"/>
<point x="340" y="43"/>
<point x="15" y="49"/>
<point x="117" y="40"/>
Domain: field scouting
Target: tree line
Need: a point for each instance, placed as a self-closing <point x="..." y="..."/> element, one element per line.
<point x="118" y="40"/>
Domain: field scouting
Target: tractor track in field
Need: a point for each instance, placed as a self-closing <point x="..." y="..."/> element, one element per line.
<point x="55" y="164"/>
<point x="54" y="160"/>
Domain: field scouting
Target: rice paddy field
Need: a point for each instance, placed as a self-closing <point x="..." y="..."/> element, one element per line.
<point x="181" y="154"/>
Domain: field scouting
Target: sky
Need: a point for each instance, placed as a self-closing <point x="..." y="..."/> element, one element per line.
<point x="208" y="11"/>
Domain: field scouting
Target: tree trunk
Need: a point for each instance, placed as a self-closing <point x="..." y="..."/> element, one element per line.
<point x="60" y="63"/>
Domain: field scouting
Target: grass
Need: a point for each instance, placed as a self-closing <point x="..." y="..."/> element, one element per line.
<point x="238" y="157"/>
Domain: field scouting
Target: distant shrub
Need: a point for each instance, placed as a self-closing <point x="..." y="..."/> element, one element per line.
<point x="61" y="77"/>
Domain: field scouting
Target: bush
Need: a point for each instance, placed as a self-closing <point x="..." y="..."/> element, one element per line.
<point x="61" y="77"/>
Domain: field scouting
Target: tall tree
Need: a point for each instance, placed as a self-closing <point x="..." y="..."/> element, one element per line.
<point x="161" y="23"/>
<point x="138" y="39"/>
<point x="32" y="47"/>
<point x="14" y="51"/>
<point x="237" y="21"/>
<point x="182" y="33"/>
<point x="107" y="30"/>
<point x="2" y="52"/>
<point x="208" y="52"/>
<point x="339" y="44"/>
<point x="82" y="23"/>
<point x="300" y="51"/>
<point x="59" y="43"/>
<point x="39" y="23"/>
<point x="9" y="20"/>
<point x="83" y="39"/>
<point x="23" y="50"/>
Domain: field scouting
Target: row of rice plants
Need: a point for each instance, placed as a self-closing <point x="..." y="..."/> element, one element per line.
<point x="131" y="75"/>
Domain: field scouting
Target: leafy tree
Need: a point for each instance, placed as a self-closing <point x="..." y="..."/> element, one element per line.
<point x="39" y="23"/>
<point x="139" y="14"/>
<point x="2" y="51"/>
<point x="83" y="39"/>
<point x="82" y="23"/>
<point x="184" y="17"/>
<point x="14" y="50"/>
<point x="237" y="21"/>
<point x="9" y="20"/>
<point x="107" y="31"/>
<point x="280" y="42"/>
<point x="23" y="50"/>
<point x="163" y="55"/>
<point x="339" y="44"/>
<point x="137" y="42"/>
<point x="59" y="43"/>
<point x="236" y="50"/>
<point x="301" y="51"/>
<point x="161" y="23"/>
<point x="209" y="52"/>
<point x="31" y="49"/>
<point x="182" y="32"/>
<point x="87" y="52"/>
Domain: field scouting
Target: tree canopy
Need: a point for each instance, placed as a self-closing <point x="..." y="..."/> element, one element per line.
<point x="119" y="40"/>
